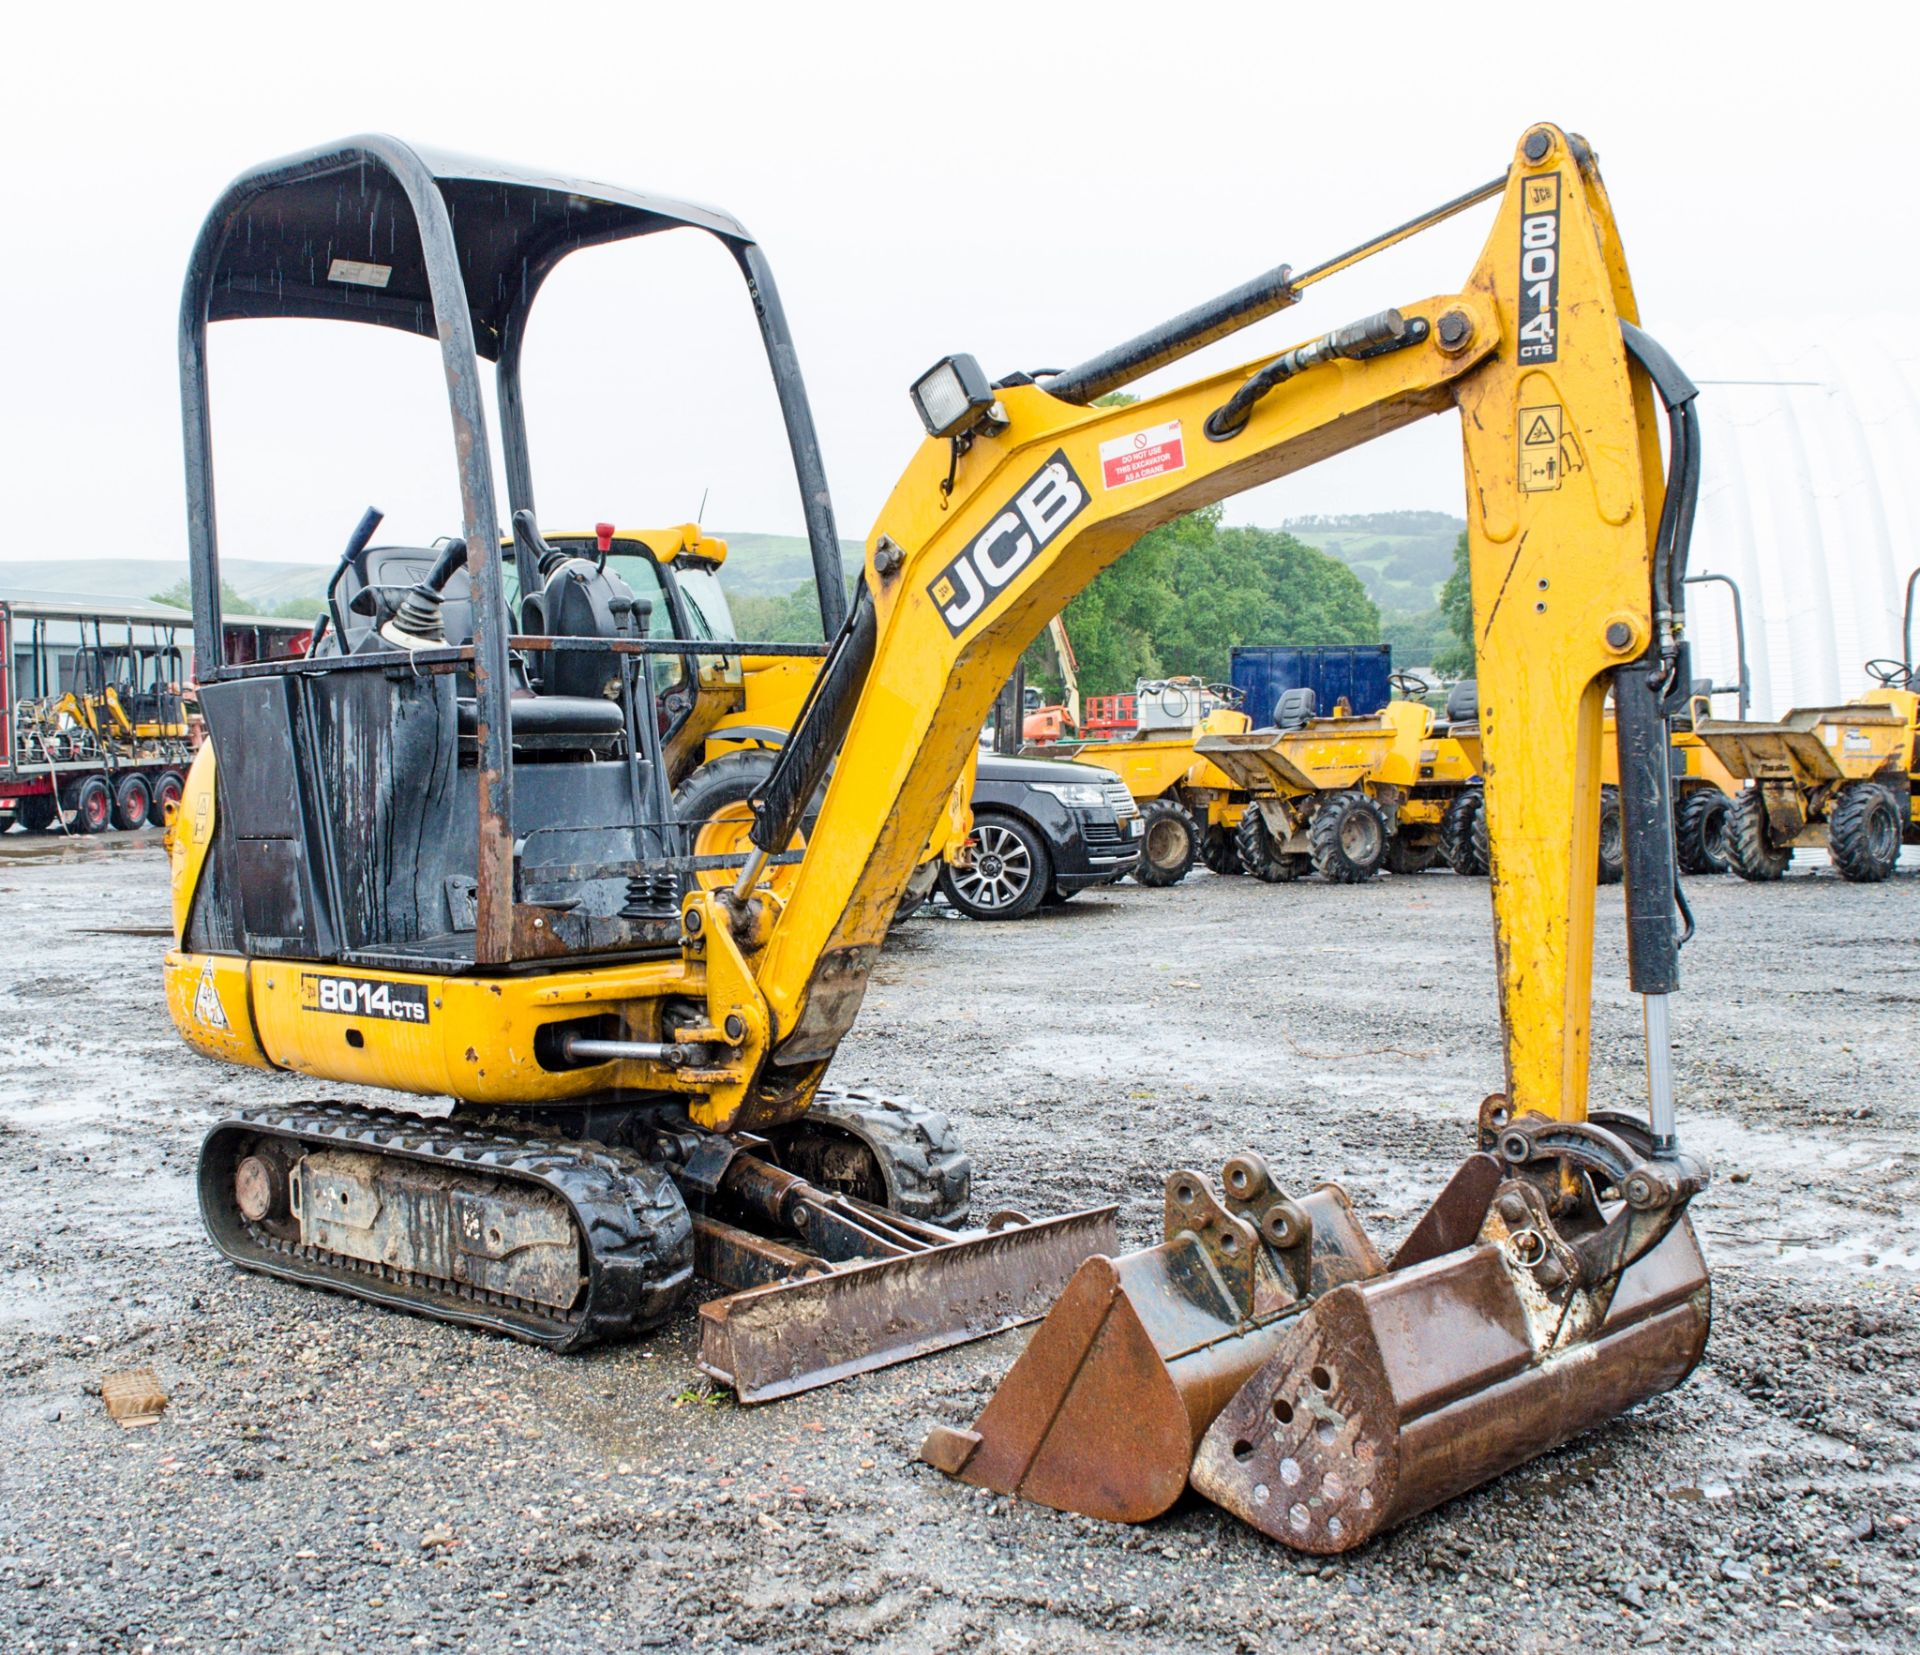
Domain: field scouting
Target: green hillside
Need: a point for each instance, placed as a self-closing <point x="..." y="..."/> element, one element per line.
<point x="758" y="565"/>
<point x="1403" y="558"/>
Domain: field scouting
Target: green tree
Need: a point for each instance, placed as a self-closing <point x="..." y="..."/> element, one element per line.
<point x="793" y="618"/>
<point x="1185" y="593"/>
<point x="1456" y="604"/>
<point x="180" y="596"/>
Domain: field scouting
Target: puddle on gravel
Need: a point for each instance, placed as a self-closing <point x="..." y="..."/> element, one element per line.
<point x="22" y="848"/>
<point x="1793" y="1203"/>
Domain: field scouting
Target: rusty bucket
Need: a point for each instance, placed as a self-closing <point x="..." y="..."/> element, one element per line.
<point x="1102" y="1411"/>
<point x="1388" y="1396"/>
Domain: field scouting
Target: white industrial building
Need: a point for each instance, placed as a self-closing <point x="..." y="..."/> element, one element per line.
<point x="1809" y="499"/>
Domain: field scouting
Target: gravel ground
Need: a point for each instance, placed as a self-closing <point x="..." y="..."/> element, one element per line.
<point x="331" y="1477"/>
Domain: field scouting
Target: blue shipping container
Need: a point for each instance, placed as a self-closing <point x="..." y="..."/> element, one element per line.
<point x="1357" y="671"/>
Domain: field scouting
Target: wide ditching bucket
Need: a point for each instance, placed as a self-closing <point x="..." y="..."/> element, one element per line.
<point x="1324" y="1395"/>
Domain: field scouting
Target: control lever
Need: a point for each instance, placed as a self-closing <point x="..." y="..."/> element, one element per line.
<point x="526" y="533"/>
<point x="357" y="542"/>
<point x="417" y="623"/>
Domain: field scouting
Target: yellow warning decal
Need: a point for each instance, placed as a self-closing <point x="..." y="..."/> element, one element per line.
<point x="206" y="1002"/>
<point x="1541" y="464"/>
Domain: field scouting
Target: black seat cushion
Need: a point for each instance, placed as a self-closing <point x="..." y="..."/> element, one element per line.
<point x="553" y="715"/>
<point x="1294" y="707"/>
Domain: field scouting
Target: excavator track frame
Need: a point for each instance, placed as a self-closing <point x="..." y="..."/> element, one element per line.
<point x="633" y="1229"/>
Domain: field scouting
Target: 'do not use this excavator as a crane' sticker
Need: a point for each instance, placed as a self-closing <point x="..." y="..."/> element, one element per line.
<point x="438" y="858"/>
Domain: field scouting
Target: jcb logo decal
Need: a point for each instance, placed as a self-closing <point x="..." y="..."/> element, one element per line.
<point x="1052" y="499"/>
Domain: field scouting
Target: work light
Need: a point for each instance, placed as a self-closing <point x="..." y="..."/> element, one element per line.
<point x="950" y="395"/>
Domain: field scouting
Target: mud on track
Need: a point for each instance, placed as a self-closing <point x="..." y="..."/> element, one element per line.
<point x="332" y="1477"/>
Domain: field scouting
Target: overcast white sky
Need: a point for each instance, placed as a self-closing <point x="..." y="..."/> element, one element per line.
<point x="1030" y="183"/>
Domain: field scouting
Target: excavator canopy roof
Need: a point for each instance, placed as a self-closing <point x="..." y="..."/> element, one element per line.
<point x="334" y="233"/>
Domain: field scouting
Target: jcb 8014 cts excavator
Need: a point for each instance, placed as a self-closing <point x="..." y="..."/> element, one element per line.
<point x="441" y="861"/>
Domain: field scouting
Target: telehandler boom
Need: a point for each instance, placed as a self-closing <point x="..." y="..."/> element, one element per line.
<point x="653" y="1053"/>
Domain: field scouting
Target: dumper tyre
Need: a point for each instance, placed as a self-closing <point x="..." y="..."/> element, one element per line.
<point x="1863" y="833"/>
<point x="1169" y="842"/>
<point x="715" y="802"/>
<point x="1613" y="848"/>
<point x="1258" y="854"/>
<point x="91" y="802"/>
<point x="1010" y="872"/>
<point x="132" y="803"/>
<point x="1750" y="847"/>
<point x="1219" y="852"/>
<point x="1700" y="830"/>
<point x="1349" y="834"/>
<point x="1462" y="834"/>
<point x="1407" y="855"/>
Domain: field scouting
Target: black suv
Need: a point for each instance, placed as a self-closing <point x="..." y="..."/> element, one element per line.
<point x="1042" y="831"/>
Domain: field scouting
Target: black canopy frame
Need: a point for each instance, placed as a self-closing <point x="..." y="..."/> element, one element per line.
<point x="374" y="230"/>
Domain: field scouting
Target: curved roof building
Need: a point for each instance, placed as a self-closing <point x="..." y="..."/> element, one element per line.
<point x="1809" y="499"/>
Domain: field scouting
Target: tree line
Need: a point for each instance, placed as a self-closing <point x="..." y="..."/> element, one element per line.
<point x="1183" y="595"/>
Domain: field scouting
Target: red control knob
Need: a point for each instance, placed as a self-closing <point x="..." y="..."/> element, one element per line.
<point x="603" y="532"/>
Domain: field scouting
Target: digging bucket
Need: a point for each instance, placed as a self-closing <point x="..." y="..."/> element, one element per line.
<point x="1103" y="1409"/>
<point x="1389" y="1396"/>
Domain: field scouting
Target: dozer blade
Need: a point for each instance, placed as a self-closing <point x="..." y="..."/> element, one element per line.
<point x="1102" y="1411"/>
<point x="776" y="1341"/>
<point x="1390" y="1396"/>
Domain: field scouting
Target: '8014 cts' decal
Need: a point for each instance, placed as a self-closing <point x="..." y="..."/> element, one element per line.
<point x="363" y="997"/>
<point x="1052" y="498"/>
<point x="1540" y="269"/>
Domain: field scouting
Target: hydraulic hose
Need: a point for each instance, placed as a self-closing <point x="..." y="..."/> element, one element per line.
<point x="1646" y="693"/>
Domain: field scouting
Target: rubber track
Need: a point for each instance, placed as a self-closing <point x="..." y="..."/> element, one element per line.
<point x="637" y="1232"/>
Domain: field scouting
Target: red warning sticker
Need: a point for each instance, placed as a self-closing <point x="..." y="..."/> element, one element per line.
<point x="1143" y="454"/>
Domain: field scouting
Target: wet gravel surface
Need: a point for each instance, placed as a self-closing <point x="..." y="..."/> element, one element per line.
<point x="331" y="1477"/>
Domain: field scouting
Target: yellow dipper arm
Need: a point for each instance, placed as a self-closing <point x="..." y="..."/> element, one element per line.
<point x="1562" y="485"/>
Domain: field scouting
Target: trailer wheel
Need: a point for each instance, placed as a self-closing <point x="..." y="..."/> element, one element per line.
<point x="1613" y="848"/>
<point x="38" y="812"/>
<point x="92" y="806"/>
<point x="1258" y="855"/>
<point x="1349" y="834"/>
<point x="1700" y="830"/>
<point x="1219" y="852"/>
<point x="1460" y="843"/>
<point x="1863" y="833"/>
<point x="1750" y="846"/>
<point x="1169" y="841"/>
<point x="168" y="788"/>
<point x="132" y="803"/>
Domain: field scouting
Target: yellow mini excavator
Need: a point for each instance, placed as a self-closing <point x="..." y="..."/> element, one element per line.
<point x="441" y="859"/>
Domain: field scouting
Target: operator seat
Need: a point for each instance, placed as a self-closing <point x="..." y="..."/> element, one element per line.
<point x="1463" y="702"/>
<point x="1294" y="707"/>
<point x="380" y="578"/>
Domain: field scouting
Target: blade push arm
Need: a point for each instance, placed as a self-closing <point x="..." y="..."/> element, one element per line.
<point x="1561" y="455"/>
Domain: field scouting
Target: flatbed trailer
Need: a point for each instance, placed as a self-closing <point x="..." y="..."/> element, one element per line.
<point x="98" y="713"/>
